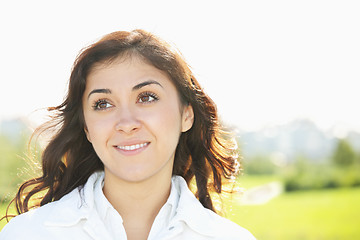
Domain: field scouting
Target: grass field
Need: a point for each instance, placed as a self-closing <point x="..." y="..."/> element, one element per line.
<point x="2" y="213"/>
<point x="3" y="207"/>
<point x="323" y="214"/>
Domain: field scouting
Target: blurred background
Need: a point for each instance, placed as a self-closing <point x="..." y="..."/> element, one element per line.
<point x="284" y="75"/>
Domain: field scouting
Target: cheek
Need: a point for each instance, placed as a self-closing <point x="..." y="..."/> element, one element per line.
<point x="96" y="127"/>
<point x="166" y="123"/>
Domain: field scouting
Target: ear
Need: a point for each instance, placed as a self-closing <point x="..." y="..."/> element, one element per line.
<point x="187" y="118"/>
<point x="87" y="134"/>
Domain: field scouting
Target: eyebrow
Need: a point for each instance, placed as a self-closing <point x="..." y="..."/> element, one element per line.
<point x="146" y="83"/>
<point x="103" y="90"/>
<point x="136" y="87"/>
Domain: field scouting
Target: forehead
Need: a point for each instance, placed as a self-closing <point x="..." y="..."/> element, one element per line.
<point x="125" y="69"/>
<point x="125" y="58"/>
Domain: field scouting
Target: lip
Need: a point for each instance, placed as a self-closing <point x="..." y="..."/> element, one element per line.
<point x="131" y="148"/>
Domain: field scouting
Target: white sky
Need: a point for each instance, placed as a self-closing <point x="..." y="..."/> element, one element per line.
<point x="263" y="62"/>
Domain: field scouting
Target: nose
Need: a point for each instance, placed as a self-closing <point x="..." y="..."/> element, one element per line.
<point x="127" y="121"/>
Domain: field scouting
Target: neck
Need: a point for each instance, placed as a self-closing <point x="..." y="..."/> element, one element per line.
<point x="138" y="203"/>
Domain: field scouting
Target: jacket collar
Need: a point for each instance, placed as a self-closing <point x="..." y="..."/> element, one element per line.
<point x="191" y="212"/>
<point x="75" y="206"/>
<point x="80" y="205"/>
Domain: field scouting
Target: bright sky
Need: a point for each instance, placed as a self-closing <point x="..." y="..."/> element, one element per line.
<point x="263" y="62"/>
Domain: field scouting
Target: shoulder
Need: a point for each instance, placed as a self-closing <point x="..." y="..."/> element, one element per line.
<point x="226" y="229"/>
<point x="26" y="225"/>
<point x="49" y="221"/>
<point x="34" y="223"/>
<point x="205" y="222"/>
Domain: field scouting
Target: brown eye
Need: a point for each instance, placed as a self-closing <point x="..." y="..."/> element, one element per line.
<point x="101" y="105"/>
<point x="147" y="97"/>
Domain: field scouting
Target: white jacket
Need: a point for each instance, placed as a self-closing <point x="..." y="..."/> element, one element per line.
<point x="86" y="214"/>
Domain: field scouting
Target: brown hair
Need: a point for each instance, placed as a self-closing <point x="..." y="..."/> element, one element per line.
<point x="205" y="151"/>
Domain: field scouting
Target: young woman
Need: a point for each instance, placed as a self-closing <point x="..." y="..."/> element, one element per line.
<point x="133" y="132"/>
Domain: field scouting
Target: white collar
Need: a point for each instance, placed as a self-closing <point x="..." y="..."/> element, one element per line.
<point x="80" y="205"/>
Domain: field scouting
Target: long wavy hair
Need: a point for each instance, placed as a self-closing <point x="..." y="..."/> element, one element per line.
<point x="205" y="152"/>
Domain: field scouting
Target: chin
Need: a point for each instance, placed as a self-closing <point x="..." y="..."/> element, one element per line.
<point x="132" y="176"/>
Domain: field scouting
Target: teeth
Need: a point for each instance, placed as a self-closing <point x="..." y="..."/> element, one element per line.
<point x="132" y="147"/>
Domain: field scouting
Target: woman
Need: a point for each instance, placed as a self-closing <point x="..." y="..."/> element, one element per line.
<point x="134" y="130"/>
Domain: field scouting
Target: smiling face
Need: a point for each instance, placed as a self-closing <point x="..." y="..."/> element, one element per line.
<point x="134" y="119"/>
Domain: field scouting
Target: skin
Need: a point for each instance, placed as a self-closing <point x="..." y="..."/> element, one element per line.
<point x="134" y="119"/>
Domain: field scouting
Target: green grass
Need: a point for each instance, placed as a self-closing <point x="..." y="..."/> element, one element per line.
<point x="3" y="207"/>
<point x="2" y="213"/>
<point x="323" y="214"/>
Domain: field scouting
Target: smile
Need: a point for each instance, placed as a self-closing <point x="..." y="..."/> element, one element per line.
<point x="133" y="147"/>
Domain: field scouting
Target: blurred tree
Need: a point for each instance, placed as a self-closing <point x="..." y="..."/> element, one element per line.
<point x="259" y="165"/>
<point x="10" y="163"/>
<point x="15" y="164"/>
<point x="344" y="154"/>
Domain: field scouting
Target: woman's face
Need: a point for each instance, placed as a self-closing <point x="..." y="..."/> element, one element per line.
<point x="134" y="119"/>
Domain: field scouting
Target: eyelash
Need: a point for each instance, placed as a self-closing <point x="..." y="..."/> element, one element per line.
<point x="148" y="94"/>
<point x="97" y="103"/>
